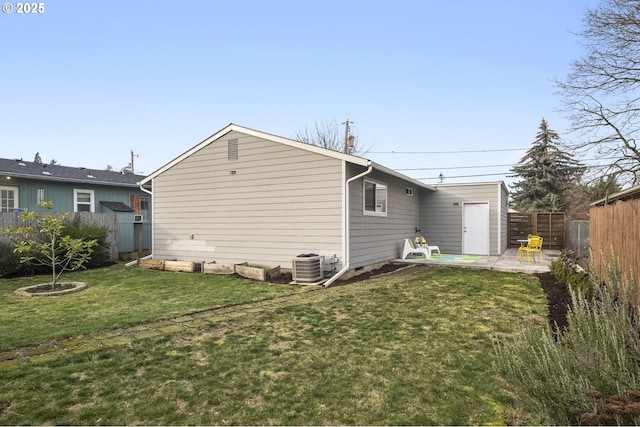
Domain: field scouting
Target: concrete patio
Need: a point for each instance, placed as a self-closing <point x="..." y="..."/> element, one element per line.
<point x="508" y="261"/>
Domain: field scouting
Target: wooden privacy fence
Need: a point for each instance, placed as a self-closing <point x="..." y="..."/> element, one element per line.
<point x="107" y="220"/>
<point x="549" y="225"/>
<point x="616" y="228"/>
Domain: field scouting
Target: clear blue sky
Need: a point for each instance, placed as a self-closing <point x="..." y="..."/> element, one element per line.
<point x="87" y="81"/>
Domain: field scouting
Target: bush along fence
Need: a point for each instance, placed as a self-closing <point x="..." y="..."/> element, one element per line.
<point x="80" y="224"/>
<point x="587" y="374"/>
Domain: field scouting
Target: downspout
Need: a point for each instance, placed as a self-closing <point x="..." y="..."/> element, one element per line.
<point x="150" y="193"/>
<point x="347" y="229"/>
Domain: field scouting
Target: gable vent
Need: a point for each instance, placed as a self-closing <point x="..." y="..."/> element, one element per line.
<point x="232" y="149"/>
<point x="307" y="268"/>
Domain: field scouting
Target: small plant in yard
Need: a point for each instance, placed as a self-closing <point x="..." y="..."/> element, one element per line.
<point x="566" y="269"/>
<point x="597" y="355"/>
<point x="40" y="241"/>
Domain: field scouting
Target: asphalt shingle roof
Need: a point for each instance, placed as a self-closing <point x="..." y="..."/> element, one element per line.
<point x="116" y="206"/>
<point x="21" y="169"/>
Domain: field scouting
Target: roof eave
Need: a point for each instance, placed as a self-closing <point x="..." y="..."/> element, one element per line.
<point x="63" y="179"/>
<point x="396" y="174"/>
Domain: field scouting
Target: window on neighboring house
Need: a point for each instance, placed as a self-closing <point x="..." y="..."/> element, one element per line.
<point x="83" y="201"/>
<point x="144" y="207"/>
<point x="40" y="195"/>
<point x="8" y="198"/>
<point x="375" y="198"/>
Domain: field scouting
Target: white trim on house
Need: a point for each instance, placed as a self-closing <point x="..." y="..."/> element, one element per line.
<point x="380" y="209"/>
<point x="91" y="204"/>
<point x="16" y="197"/>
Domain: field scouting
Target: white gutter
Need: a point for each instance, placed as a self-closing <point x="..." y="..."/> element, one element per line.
<point x="144" y="189"/>
<point x="347" y="229"/>
<point x="150" y="256"/>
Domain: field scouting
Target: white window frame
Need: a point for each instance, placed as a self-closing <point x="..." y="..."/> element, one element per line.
<point x="40" y="195"/>
<point x="92" y="204"/>
<point x="381" y="209"/>
<point x="16" y="197"/>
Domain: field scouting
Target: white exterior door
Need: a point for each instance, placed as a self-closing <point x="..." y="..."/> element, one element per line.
<point x="475" y="229"/>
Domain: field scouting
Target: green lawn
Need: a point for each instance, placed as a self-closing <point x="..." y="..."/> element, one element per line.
<point x="415" y="347"/>
<point x="118" y="296"/>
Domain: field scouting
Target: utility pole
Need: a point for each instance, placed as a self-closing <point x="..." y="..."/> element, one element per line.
<point x="348" y="140"/>
<point x="133" y="171"/>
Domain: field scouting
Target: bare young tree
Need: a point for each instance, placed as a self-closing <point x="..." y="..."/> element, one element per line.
<point x="601" y="93"/>
<point x="332" y="136"/>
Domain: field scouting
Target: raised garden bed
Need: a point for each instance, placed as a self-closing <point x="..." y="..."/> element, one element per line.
<point x="257" y="272"/>
<point x="215" y="268"/>
<point x="250" y="271"/>
<point x="151" y="264"/>
<point x="183" y="266"/>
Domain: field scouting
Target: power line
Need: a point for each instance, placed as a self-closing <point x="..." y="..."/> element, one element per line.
<point x="465" y="176"/>
<point x="454" y="167"/>
<point x="507" y="174"/>
<point x="449" y="152"/>
<point x="493" y="166"/>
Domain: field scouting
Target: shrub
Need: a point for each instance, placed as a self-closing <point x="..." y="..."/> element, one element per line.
<point x="9" y="260"/>
<point x="566" y="270"/>
<point x="77" y="229"/>
<point x="10" y="264"/>
<point x="600" y="350"/>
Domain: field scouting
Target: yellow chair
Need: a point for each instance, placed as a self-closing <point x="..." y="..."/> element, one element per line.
<point x="423" y="243"/>
<point x="534" y="246"/>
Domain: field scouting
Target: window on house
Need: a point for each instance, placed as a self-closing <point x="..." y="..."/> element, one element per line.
<point x="83" y="201"/>
<point x="408" y="191"/>
<point x="232" y="149"/>
<point x="8" y="198"/>
<point x="144" y="206"/>
<point x="40" y="195"/>
<point x="375" y="198"/>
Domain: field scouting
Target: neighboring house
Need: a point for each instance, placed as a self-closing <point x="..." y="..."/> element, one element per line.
<point x="243" y="195"/>
<point x="77" y="189"/>
<point x="628" y="194"/>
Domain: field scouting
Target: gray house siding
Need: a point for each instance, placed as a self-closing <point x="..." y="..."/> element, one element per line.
<point x="270" y="204"/>
<point x="442" y="215"/>
<point x="379" y="238"/>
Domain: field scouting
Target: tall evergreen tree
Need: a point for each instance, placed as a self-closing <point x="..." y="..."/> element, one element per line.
<point x="548" y="173"/>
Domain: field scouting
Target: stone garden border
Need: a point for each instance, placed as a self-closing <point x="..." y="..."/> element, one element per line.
<point x="24" y="291"/>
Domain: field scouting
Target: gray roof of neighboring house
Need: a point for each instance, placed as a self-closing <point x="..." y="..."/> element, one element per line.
<point x="116" y="206"/>
<point x="628" y="194"/>
<point x="42" y="171"/>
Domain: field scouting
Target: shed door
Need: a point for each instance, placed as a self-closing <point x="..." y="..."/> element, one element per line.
<point x="475" y="229"/>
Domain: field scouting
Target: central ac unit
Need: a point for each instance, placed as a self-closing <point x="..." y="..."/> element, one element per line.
<point x="307" y="268"/>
